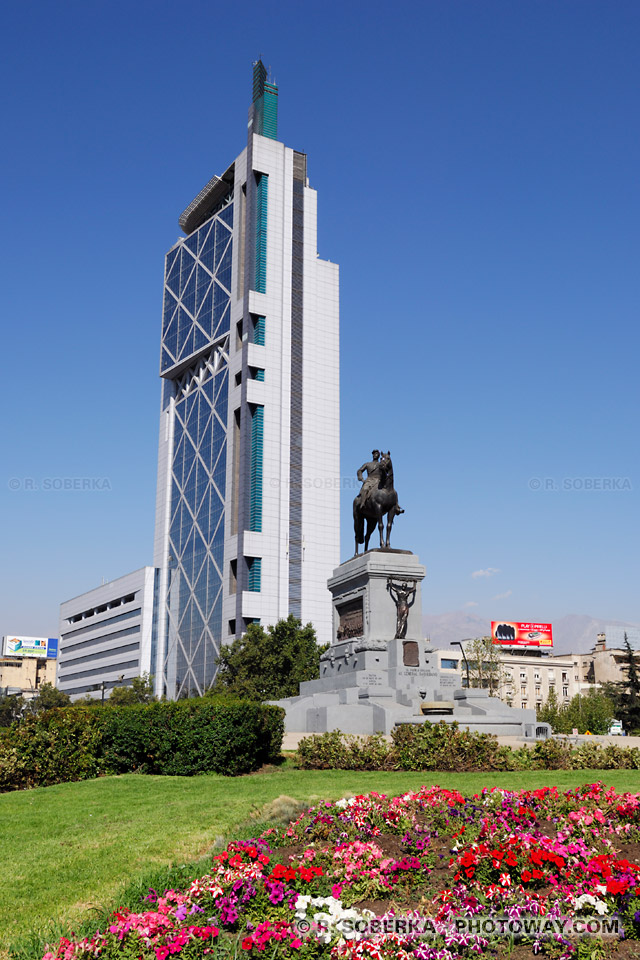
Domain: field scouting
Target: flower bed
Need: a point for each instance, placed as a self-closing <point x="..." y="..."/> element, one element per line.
<point x="430" y="875"/>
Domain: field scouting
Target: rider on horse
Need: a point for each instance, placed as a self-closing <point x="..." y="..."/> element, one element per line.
<point x="374" y="470"/>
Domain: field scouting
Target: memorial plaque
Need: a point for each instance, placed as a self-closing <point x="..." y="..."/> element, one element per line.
<point x="351" y="620"/>
<point x="410" y="657"/>
<point x="370" y="680"/>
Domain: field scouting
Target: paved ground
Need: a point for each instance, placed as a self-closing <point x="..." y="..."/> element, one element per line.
<point x="291" y="740"/>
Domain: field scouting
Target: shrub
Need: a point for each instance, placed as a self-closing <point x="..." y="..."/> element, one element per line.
<point x="422" y="746"/>
<point x="338" y="751"/>
<point x="56" y="746"/>
<point x="205" y="735"/>
<point x="443" y="746"/>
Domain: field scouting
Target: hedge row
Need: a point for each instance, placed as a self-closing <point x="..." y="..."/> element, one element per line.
<point x="444" y="747"/>
<point x="207" y="735"/>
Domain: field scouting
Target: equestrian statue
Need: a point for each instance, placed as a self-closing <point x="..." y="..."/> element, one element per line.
<point x="376" y="499"/>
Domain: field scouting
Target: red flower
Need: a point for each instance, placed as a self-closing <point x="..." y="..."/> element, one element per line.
<point x="616" y="886"/>
<point x="526" y="876"/>
<point x="247" y="943"/>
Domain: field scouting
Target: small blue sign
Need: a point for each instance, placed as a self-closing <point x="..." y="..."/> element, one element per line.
<point x="52" y="647"/>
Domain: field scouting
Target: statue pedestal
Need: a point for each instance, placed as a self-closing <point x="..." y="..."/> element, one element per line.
<point x="371" y="680"/>
<point x="365" y="655"/>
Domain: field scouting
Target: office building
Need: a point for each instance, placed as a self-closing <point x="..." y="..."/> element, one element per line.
<point x="247" y="517"/>
<point x="106" y="635"/>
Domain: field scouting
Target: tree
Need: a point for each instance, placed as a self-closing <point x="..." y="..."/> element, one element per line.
<point x="593" y="712"/>
<point x="269" y="664"/>
<point x="140" y="690"/>
<point x="626" y="693"/>
<point x="485" y="665"/>
<point x="11" y="707"/>
<point x="551" y="713"/>
<point x="47" y="698"/>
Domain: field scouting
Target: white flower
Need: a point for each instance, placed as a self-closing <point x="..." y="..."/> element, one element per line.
<point x="586" y="899"/>
<point x="301" y="906"/>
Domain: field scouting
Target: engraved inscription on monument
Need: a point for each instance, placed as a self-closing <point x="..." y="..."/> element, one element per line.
<point x="351" y="620"/>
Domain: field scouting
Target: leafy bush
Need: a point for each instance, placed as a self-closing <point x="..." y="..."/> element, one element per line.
<point x="444" y="747"/>
<point x="423" y="746"/>
<point x="186" y="737"/>
<point x="55" y="746"/>
<point x="205" y="735"/>
<point x="337" y="751"/>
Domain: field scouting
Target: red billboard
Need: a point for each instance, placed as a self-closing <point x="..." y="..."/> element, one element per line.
<point x="510" y="634"/>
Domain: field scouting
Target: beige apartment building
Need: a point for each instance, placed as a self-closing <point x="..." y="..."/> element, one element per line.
<point x="23" y="675"/>
<point x="603" y="664"/>
<point x="527" y="680"/>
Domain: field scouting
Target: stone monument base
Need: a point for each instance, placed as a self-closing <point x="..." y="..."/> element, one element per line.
<point x="380" y="672"/>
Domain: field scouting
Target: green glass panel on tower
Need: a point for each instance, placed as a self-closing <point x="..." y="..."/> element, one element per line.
<point x="265" y="100"/>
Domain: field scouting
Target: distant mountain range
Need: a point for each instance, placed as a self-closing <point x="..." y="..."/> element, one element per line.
<point x="574" y="633"/>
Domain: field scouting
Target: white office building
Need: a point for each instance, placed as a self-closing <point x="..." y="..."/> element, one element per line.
<point x="247" y="522"/>
<point x="106" y="636"/>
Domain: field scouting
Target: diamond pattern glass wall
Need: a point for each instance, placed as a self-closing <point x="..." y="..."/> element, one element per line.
<point x="197" y="309"/>
<point x="197" y="290"/>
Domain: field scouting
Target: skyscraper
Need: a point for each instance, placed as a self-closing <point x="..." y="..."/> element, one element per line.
<point x="247" y="514"/>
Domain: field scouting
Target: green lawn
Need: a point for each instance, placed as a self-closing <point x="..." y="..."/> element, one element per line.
<point x="70" y="849"/>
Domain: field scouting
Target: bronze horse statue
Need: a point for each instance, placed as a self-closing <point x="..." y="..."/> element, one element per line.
<point x="381" y="501"/>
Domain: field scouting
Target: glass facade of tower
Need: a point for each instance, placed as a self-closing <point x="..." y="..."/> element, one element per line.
<point x="196" y="324"/>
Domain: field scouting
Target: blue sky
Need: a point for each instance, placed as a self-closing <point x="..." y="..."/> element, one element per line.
<point x="477" y="172"/>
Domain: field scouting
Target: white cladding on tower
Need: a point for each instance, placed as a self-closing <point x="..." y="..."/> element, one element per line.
<point x="247" y="522"/>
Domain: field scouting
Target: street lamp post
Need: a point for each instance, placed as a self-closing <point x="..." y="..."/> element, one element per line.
<point x="458" y="643"/>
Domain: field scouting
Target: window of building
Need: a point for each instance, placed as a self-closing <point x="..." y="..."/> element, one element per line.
<point x="257" y="432"/>
<point x="523" y="675"/>
<point x="262" y="193"/>
<point x="238" y="378"/>
<point x="524" y="704"/>
<point x="449" y="664"/>
<point x="257" y="373"/>
<point x="565" y="691"/>
<point x="233" y="577"/>
<point x="232" y="628"/>
<point x="258" y="324"/>
<point x="255" y="574"/>
<point x="239" y="335"/>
